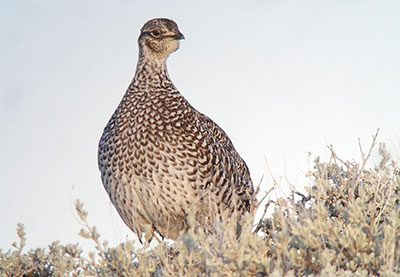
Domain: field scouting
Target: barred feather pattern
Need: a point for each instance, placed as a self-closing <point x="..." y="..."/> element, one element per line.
<point x="159" y="157"/>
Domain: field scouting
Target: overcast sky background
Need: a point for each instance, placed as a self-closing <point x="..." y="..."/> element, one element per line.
<point x="282" y="78"/>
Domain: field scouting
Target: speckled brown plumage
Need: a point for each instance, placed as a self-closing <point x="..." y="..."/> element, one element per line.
<point x="159" y="157"/>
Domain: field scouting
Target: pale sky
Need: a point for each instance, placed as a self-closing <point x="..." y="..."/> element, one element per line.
<point x="282" y="78"/>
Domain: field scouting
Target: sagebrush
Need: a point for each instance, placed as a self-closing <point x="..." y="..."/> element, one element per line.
<point x="347" y="224"/>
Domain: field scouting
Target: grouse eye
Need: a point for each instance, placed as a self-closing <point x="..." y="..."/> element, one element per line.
<point x="156" y="33"/>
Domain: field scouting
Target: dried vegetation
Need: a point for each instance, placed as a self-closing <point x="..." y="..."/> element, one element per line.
<point x="347" y="224"/>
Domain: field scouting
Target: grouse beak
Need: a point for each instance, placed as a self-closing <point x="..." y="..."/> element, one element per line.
<point x="179" y="36"/>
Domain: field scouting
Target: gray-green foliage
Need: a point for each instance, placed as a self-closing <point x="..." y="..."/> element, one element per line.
<point x="348" y="224"/>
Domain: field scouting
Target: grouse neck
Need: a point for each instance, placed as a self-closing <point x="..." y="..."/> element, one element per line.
<point x="151" y="73"/>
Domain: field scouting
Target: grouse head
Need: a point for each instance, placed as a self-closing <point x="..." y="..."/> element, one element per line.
<point x="159" y="38"/>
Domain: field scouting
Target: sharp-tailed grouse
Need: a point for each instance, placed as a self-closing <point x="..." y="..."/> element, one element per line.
<point x="160" y="158"/>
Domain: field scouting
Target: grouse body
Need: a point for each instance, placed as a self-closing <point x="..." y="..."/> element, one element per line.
<point x="159" y="157"/>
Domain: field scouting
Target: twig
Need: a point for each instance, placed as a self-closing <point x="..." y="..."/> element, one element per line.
<point x="366" y="158"/>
